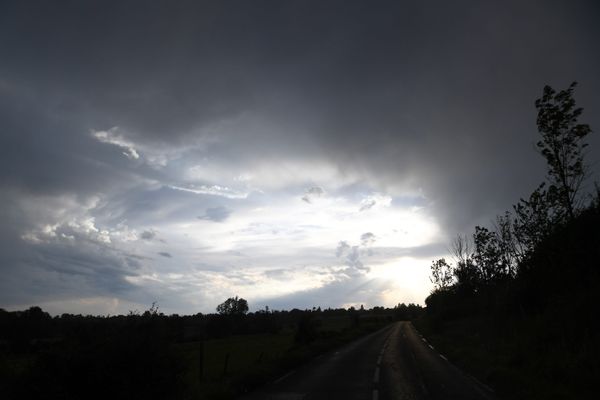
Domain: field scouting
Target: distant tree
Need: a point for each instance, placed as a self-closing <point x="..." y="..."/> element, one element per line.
<point x="442" y="274"/>
<point x="153" y="311"/>
<point x="233" y="306"/>
<point x="36" y="313"/>
<point x="562" y="145"/>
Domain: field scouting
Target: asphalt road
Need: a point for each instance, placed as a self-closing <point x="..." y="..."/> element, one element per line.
<point x="392" y="363"/>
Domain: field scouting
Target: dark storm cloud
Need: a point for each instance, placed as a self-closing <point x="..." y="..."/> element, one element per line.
<point x="434" y="97"/>
<point x="45" y="154"/>
<point x="418" y="92"/>
<point x="65" y="270"/>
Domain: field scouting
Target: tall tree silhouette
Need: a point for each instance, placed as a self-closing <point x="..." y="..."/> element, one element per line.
<point x="562" y="145"/>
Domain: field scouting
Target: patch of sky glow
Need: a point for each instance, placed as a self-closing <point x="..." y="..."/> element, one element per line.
<point x="288" y="245"/>
<point x="267" y="174"/>
<point x="290" y="223"/>
<point x="209" y="240"/>
<point x="407" y="280"/>
<point x="214" y="190"/>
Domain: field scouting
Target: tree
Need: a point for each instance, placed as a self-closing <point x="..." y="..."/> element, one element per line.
<point x="461" y="249"/>
<point x="442" y="275"/>
<point x="534" y="219"/>
<point x="233" y="306"/>
<point x="562" y="145"/>
<point x="466" y="274"/>
<point x="487" y="256"/>
<point x="511" y="250"/>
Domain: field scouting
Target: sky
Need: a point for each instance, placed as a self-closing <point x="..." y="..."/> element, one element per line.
<point x="293" y="153"/>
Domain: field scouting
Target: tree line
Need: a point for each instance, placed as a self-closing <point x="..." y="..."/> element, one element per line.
<point x="492" y="257"/>
<point x="139" y="355"/>
<point x="518" y="304"/>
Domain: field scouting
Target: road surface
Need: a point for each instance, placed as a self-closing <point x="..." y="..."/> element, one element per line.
<point x="392" y="363"/>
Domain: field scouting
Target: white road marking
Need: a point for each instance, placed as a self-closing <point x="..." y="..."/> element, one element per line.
<point x="284" y="377"/>
<point x="483" y="385"/>
<point x="479" y="383"/>
<point x="376" y="376"/>
<point x="375" y="394"/>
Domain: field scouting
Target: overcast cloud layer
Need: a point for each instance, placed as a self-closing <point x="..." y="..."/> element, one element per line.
<point x="297" y="154"/>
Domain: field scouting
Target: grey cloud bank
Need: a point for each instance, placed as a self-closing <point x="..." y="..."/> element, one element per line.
<point x="264" y="129"/>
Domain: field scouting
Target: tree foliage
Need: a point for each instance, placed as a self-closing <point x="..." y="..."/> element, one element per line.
<point x="510" y="284"/>
<point x="562" y="145"/>
<point x="233" y="306"/>
<point x="493" y="256"/>
<point x="534" y="218"/>
<point x="442" y="275"/>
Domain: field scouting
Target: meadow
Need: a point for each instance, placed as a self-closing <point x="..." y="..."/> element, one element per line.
<point x="155" y="356"/>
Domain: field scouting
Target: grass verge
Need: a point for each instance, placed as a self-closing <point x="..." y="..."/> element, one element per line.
<point x="239" y="364"/>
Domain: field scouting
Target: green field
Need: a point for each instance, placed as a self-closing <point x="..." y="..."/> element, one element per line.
<point x="154" y="356"/>
<point x="239" y="363"/>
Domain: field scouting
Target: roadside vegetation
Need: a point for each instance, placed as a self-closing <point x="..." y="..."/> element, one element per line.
<point x="154" y="356"/>
<point x="517" y="306"/>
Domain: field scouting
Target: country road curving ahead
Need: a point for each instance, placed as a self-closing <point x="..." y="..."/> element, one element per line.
<point x="392" y="363"/>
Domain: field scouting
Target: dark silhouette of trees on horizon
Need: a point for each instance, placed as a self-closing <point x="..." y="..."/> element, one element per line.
<point x="491" y="257"/>
<point x="519" y="302"/>
<point x="136" y="355"/>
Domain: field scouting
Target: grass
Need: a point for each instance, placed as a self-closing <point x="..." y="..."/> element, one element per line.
<point x="257" y="359"/>
<point x="245" y="355"/>
<point x="464" y="343"/>
<point x="153" y="365"/>
<point x="336" y="323"/>
<point x="520" y="359"/>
